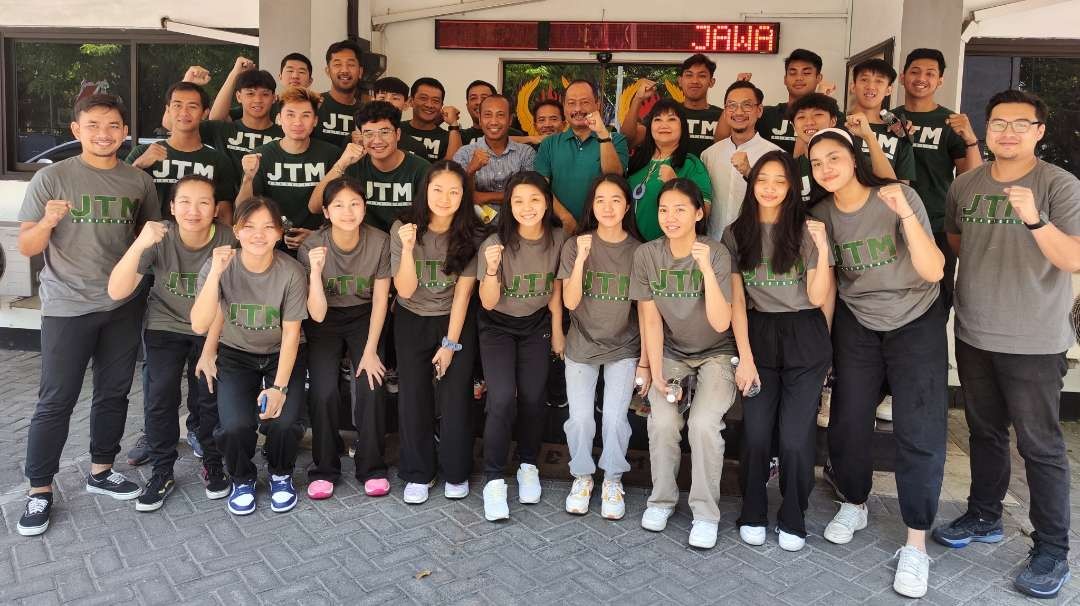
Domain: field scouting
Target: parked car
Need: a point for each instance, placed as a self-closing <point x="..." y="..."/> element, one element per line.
<point x="73" y="148"/>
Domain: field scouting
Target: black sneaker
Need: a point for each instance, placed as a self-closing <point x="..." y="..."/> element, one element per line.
<point x="153" y="496"/>
<point x="193" y="442"/>
<point x="112" y="484"/>
<point x="139" y="453"/>
<point x="35" y="518"/>
<point x="1043" y="576"/>
<point x="217" y="484"/>
<point x="967" y="528"/>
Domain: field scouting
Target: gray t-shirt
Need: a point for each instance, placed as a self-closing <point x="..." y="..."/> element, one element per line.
<point x="875" y="277"/>
<point x="527" y="274"/>
<point x="107" y="206"/>
<point x="435" y="292"/>
<point x="766" y="290"/>
<point x="348" y="277"/>
<point x="604" y="326"/>
<point x="176" y="276"/>
<point x="1009" y="297"/>
<point x="677" y="288"/>
<point x="255" y="305"/>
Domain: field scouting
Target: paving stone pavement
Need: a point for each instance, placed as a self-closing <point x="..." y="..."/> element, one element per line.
<point x="360" y="550"/>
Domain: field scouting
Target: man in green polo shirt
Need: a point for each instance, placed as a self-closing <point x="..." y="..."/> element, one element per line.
<point x="573" y="158"/>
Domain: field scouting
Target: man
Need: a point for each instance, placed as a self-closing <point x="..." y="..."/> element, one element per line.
<point x="492" y="159"/>
<point x="288" y="170"/>
<point x="392" y="176"/>
<point x="809" y="114"/>
<point x="344" y="68"/>
<point x="802" y="76"/>
<point x="391" y="89"/>
<point x="295" y="70"/>
<point x="729" y="161"/>
<point x="872" y="82"/>
<point x="942" y="141"/>
<point x="426" y="98"/>
<point x="475" y="93"/>
<point x="695" y="80"/>
<point x="236" y="138"/>
<point x="573" y="158"/>
<point x="547" y="120"/>
<point x="83" y="213"/>
<point x="183" y="153"/>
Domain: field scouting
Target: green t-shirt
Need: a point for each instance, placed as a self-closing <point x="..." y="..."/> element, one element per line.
<point x="235" y="140"/>
<point x="701" y="125"/>
<point x="468" y="135"/>
<point x="646" y="206"/>
<point x="571" y="165"/>
<point x="432" y="143"/>
<point x="897" y="150"/>
<point x="389" y="194"/>
<point x="936" y="147"/>
<point x="774" y="126"/>
<point x="335" y="124"/>
<point x="289" y="179"/>
<point x="206" y="161"/>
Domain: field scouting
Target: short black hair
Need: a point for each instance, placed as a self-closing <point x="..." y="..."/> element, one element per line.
<point x="427" y="81"/>
<point x="550" y="102"/>
<point x="814" y="101"/>
<point x="490" y="86"/>
<point x="390" y="84"/>
<point x="375" y="111"/>
<point x="806" y="56"/>
<point x="698" y="59"/>
<point x="344" y="45"/>
<point x="256" y="78"/>
<point x="760" y="96"/>
<point x="189" y="178"/>
<point x="874" y="66"/>
<point x="100" y="100"/>
<point x="190" y="87"/>
<point x="592" y="86"/>
<point x="509" y="105"/>
<point x="296" y="57"/>
<point x="1019" y="96"/>
<point x="925" y="53"/>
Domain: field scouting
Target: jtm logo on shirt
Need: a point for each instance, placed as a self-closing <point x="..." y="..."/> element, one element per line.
<point x="348" y="285"/>
<point x="525" y="286"/>
<point x="389" y="194"/>
<point x="431" y="145"/>
<point x="701" y="129"/>
<point x="253" y="316"/>
<point x="870" y="253"/>
<point x="104" y="209"/>
<point x="679" y="283"/>
<point x="182" y="284"/>
<point x="288" y="174"/>
<point x="249" y="141"/>
<point x="606" y="286"/>
<point x="786" y="132"/>
<point x="338" y="124"/>
<point x="772" y="278"/>
<point x="165" y="173"/>
<point x="927" y="137"/>
<point x="888" y="145"/>
<point x="995" y="205"/>
<point x="428" y="274"/>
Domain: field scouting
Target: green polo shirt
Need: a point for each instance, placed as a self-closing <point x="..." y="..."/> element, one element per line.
<point x="571" y="165"/>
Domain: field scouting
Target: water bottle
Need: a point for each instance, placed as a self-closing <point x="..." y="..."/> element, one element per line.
<point x="755" y="389"/>
<point x="262" y="404"/>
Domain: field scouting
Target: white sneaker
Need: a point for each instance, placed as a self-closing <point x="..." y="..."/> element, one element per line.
<point x="824" y="410"/>
<point x="703" y="534"/>
<point x="528" y="479"/>
<point x="456" y="491"/>
<point x="790" y="542"/>
<point x="752" y="535"/>
<point x="415" y="493"/>
<point x="495" y="507"/>
<point x="849" y="519"/>
<point x="912" y="572"/>
<point x="612" y="506"/>
<point x="884" y="410"/>
<point x="577" y="502"/>
<point x="655" y="518"/>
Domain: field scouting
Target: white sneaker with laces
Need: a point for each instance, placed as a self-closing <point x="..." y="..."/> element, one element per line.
<point x="790" y="542"/>
<point x="415" y="493"/>
<point x="456" y="491"/>
<point x="528" y="479"/>
<point x="495" y="507"/>
<point x="577" y="502"/>
<point x="912" y="572"/>
<point x="752" y="535"/>
<point x="612" y="506"/>
<point x="849" y="519"/>
<point x="883" y="412"/>
<point x="655" y="518"/>
<point x="703" y="534"/>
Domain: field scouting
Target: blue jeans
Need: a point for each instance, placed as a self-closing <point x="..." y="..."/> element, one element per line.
<point x="580" y="427"/>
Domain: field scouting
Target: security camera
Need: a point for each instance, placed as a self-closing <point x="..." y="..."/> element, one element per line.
<point x="603" y="58"/>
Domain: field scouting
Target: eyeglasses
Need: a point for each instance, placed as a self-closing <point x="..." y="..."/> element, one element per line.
<point x="746" y="106"/>
<point x="382" y="133"/>
<point x="1019" y="127"/>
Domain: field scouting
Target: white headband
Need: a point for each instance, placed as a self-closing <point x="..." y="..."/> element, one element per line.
<point x="843" y="133"/>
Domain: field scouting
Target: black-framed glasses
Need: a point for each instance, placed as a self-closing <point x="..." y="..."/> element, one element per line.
<point x="1019" y="127"/>
<point x="382" y="133"/>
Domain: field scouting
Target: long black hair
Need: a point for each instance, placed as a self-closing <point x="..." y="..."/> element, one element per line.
<point x="508" y="224"/>
<point x="689" y="189"/>
<point x="466" y="231"/>
<point x="863" y="174"/>
<point x="644" y="152"/>
<point x="787" y="234"/>
<point x="629" y="221"/>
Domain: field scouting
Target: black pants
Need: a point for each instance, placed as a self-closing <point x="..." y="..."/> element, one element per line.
<point x="1024" y="390"/>
<point x="241" y="376"/>
<point x="166" y="354"/>
<point x="344" y="330"/>
<point x="792" y="352"/>
<point x="914" y="360"/>
<point x="948" y="282"/>
<point x="516" y="353"/>
<point x="111" y="339"/>
<point x="416" y="339"/>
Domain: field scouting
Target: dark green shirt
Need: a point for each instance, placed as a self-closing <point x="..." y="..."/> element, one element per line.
<point x="571" y="164"/>
<point x="897" y="150"/>
<point x="701" y="124"/>
<point x="290" y="178"/>
<point x="936" y="148"/>
<point x="775" y="127"/>
<point x="335" y="124"/>
<point x="207" y="162"/>
<point x="432" y="143"/>
<point x="389" y="194"/>
<point x="235" y="140"/>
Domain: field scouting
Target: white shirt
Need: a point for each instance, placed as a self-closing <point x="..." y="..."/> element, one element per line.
<point x="729" y="186"/>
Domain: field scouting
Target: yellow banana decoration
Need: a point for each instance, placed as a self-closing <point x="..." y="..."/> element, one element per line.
<point x="565" y="82"/>
<point x="524" y="111"/>
<point x="625" y="98"/>
<point x="674" y="92"/>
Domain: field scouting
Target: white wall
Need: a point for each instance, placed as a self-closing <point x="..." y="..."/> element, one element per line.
<point x="128" y="13"/>
<point x="874" y="22"/>
<point x="1057" y="20"/>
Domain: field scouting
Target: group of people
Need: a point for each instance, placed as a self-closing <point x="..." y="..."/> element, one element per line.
<point x="755" y="249"/>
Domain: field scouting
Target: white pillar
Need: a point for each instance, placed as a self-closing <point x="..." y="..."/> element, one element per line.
<point x="306" y="26"/>
<point x="935" y="24"/>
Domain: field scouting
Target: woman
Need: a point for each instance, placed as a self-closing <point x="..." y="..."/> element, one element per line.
<point x="678" y="281"/>
<point x="661" y="157"/>
<point x="604" y="332"/>
<point x="433" y="261"/>
<point x="889" y="325"/>
<point x="174" y="252"/>
<point x="781" y="276"/>
<point x="520" y="328"/>
<point x="348" y="293"/>
<point x="256" y="298"/>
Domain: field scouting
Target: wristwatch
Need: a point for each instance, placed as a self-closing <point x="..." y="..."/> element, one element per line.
<point x="453" y="127"/>
<point x="283" y="389"/>
<point x="604" y="140"/>
<point x="451" y="345"/>
<point x="1043" y="220"/>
